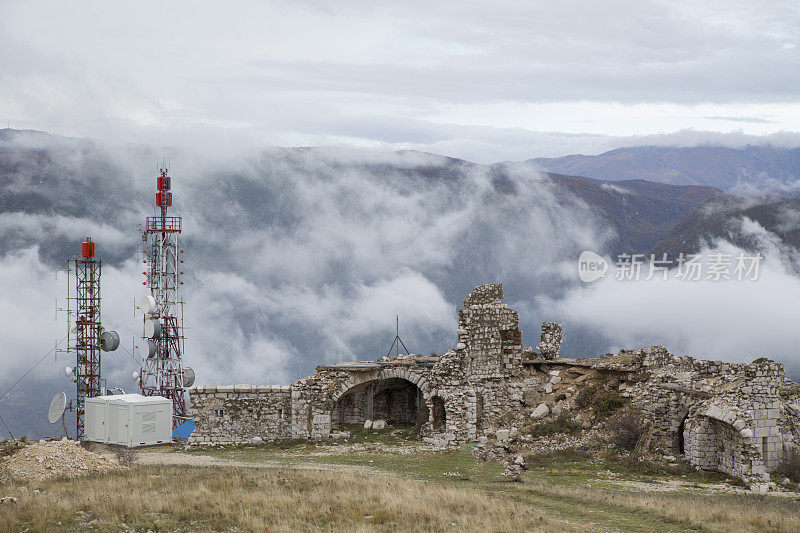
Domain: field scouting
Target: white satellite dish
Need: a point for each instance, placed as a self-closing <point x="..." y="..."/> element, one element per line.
<point x="57" y="407"/>
<point x="68" y="370"/>
<point x="148" y="304"/>
<point x="147" y="349"/>
<point x="152" y="328"/>
<point x="188" y="376"/>
<point x="135" y="375"/>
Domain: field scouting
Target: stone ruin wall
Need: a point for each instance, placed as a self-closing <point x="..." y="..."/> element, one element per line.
<point x="228" y="414"/>
<point x="737" y="418"/>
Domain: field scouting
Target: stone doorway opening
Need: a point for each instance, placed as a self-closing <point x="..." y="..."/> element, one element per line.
<point x="395" y="400"/>
<point x="680" y="436"/>
<point x="439" y="414"/>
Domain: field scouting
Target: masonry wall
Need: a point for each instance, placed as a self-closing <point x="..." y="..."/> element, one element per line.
<point x="238" y="413"/>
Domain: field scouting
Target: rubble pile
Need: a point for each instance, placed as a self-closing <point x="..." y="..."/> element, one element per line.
<point x="46" y="459"/>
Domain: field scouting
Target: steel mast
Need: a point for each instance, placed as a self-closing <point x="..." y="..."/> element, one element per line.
<point x="163" y="341"/>
<point x="84" y="339"/>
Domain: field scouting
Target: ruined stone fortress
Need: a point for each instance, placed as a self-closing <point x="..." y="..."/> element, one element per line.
<point x="734" y="418"/>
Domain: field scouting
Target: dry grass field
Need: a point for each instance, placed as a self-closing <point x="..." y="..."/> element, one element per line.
<point x="247" y="499"/>
<point x="383" y="487"/>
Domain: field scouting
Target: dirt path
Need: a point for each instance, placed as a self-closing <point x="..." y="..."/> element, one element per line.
<point x="186" y="459"/>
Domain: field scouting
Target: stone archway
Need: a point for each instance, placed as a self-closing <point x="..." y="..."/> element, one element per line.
<point x="397" y="394"/>
<point x="393" y="399"/>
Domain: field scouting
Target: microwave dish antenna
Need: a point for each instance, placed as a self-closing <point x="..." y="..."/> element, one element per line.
<point x="57" y="407"/>
<point x="109" y="341"/>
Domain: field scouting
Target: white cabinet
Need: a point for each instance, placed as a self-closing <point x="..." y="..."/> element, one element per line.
<point x="129" y="419"/>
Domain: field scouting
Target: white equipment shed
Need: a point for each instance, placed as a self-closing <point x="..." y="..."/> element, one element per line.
<point x="128" y="419"/>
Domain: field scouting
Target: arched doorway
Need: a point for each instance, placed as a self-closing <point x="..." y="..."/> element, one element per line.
<point x="396" y="400"/>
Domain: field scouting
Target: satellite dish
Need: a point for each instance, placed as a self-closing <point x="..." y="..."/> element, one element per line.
<point x="135" y="375"/>
<point x="68" y="370"/>
<point x="147" y="349"/>
<point x="152" y="328"/>
<point x="148" y="304"/>
<point x="188" y="376"/>
<point x="57" y="407"/>
<point x="109" y="341"/>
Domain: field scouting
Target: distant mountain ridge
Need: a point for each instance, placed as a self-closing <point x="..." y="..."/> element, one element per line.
<point x="730" y="169"/>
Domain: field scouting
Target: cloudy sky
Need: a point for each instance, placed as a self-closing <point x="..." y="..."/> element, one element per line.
<point x="478" y="80"/>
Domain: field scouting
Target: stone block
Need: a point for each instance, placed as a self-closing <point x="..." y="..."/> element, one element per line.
<point x="541" y="411"/>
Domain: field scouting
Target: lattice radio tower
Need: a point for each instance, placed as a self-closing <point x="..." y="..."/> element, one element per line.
<point x="162" y="372"/>
<point x="84" y="338"/>
<point x="88" y="337"/>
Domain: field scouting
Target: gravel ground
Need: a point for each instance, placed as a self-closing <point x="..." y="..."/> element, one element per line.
<point x="45" y="459"/>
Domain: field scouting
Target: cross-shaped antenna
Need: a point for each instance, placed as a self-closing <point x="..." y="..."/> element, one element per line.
<point x="397" y="342"/>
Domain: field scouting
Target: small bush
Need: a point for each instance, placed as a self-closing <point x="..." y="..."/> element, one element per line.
<point x="562" y="424"/>
<point x="789" y="465"/>
<point x="126" y="456"/>
<point x="625" y="430"/>
<point x="606" y="402"/>
<point x="602" y="402"/>
<point x="585" y="397"/>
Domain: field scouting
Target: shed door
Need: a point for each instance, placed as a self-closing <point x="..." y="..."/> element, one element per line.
<point x="101" y="412"/>
<point x="113" y="415"/>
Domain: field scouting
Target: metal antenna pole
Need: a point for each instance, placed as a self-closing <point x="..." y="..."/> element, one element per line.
<point x="397" y="342"/>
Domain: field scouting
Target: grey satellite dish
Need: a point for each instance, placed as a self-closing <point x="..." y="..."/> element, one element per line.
<point x="147" y="349"/>
<point x="188" y="376"/>
<point x="152" y="328"/>
<point x="57" y="407"/>
<point x="148" y="304"/>
<point x="109" y="341"/>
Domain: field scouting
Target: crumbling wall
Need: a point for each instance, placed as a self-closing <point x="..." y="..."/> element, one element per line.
<point x="239" y="413"/>
<point x="488" y="332"/>
<point x="550" y="344"/>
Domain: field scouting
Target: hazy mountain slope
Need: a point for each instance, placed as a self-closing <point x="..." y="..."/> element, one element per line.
<point x="721" y="218"/>
<point x="640" y="212"/>
<point x="761" y="167"/>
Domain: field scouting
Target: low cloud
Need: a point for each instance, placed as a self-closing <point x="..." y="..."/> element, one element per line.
<point x="727" y="320"/>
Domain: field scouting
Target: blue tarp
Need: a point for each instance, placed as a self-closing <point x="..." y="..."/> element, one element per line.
<point x="184" y="430"/>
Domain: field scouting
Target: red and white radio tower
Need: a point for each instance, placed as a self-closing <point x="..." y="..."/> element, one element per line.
<point x="162" y="372"/>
